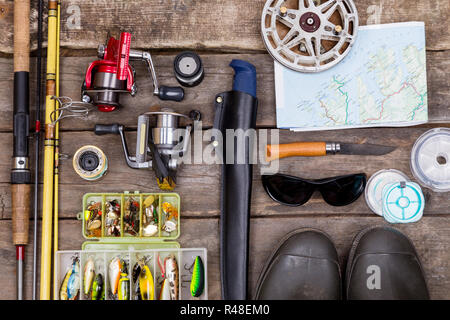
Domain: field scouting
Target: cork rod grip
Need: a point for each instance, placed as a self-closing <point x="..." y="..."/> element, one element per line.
<point x="20" y="212"/>
<point x="297" y="149"/>
<point x="21" y="35"/>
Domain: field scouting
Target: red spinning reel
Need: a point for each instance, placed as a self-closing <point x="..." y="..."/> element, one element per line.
<point x="106" y="79"/>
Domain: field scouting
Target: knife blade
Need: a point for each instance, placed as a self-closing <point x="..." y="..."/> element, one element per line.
<point x="318" y="149"/>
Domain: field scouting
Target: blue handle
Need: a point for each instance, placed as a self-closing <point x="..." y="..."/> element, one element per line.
<point x="244" y="77"/>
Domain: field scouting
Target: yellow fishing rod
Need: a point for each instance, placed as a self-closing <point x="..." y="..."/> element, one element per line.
<point x="56" y="168"/>
<point x="49" y="152"/>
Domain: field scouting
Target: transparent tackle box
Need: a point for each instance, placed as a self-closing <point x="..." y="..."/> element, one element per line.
<point x="102" y="248"/>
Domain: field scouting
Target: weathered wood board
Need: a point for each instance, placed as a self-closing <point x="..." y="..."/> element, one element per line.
<point x="430" y="236"/>
<point x="218" y="78"/>
<point x="206" y="178"/>
<point x="207" y="24"/>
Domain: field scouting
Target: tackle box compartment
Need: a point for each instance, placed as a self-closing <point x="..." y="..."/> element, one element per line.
<point x="103" y="248"/>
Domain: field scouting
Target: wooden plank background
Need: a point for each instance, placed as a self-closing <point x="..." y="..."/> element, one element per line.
<point x="220" y="31"/>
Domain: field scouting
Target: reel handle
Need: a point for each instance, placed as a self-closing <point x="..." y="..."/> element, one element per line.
<point x="171" y="93"/>
<point x="102" y="129"/>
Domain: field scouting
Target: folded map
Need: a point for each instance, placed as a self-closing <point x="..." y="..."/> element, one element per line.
<point x="381" y="82"/>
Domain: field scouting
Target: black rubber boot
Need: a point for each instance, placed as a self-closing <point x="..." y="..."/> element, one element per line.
<point x="305" y="266"/>
<point x="383" y="265"/>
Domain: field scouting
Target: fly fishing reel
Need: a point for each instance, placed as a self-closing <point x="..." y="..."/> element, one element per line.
<point x="108" y="78"/>
<point x="309" y="35"/>
<point x="159" y="148"/>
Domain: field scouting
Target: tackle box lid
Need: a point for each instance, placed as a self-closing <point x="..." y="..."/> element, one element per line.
<point x="130" y="245"/>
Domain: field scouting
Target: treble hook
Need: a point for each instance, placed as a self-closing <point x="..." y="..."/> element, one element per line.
<point x="186" y="278"/>
<point x="189" y="268"/>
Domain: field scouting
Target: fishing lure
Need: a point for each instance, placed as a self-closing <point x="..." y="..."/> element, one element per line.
<point x="150" y="230"/>
<point x="131" y="217"/>
<point x="198" y="278"/>
<point x="89" y="274"/>
<point x="143" y="278"/>
<point x="171" y="273"/>
<point x="63" y="290"/>
<point x="112" y="218"/>
<point x="150" y="217"/>
<point x="124" y="287"/>
<point x="149" y="201"/>
<point x="171" y="217"/>
<point x="165" y="290"/>
<point x="137" y="291"/>
<point x="103" y="293"/>
<point x="73" y="285"/>
<point x="97" y="287"/>
<point x="115" y="268"/>
<point x="93" y="218"/>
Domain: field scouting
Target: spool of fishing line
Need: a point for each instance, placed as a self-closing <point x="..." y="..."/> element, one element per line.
<point x="90" y="163"/>
<point x="430" y="159"/>
<point x="375" y="185"/>
<point x="188" y="69"/>
<point x="403" y="202"/>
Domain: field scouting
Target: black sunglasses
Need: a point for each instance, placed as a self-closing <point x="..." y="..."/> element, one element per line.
<point x="293" y="191"/>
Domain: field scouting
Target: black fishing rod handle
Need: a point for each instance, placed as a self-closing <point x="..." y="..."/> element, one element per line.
<point x="171" y="93"/>
<point x="102" y="129"/>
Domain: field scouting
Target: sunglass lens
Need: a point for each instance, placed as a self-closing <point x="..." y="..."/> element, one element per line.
<point x="343" y="191"/>
<point x="287" y="190"/>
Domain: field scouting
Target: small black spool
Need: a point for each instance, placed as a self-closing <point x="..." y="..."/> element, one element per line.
<point x="89" y="161"/>
<point x="188" y="69"/>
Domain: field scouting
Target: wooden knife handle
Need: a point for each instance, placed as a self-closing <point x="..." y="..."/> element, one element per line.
<point x="297" y="149"/>
<point x="20" y="212"/>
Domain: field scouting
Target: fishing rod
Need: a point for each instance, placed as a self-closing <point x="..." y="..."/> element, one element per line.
<point x="49" y="152"/>
<point x="37" y="144"/>
<point x="56" y="166"/>
<point x="20" y="173"/>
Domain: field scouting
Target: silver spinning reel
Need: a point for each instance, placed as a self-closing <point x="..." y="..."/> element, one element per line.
<point x="309" y="35"/>
<point x="159" y="148"/>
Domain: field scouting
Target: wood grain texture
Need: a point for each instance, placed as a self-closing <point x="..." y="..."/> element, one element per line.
<point x="218" y="78"/>
<point x="21" y="203"/>
<point x="206" y="24"/>
<point x="21" y="35"/>
<point x="220" y="29"/>
<point x="206" y="178"/>
<point x="295" y="149"/>
<point x="431" y="236"/>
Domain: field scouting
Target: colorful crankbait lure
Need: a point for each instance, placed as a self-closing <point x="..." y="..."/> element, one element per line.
<point x="98" y="287"/>
<point x="146" y="283"/>
<point x="165" y="293"/>
<point x="115" y="268"/>
<point x="124" y="287"/>
<point x="89" y="274"/>
<point x="198" y="278"/>
<point x="70" y="287"/>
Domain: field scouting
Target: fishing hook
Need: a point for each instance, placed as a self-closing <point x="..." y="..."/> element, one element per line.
<point x="73" y="108"/>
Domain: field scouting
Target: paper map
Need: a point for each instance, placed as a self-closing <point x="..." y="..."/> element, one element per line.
<point x="381" y="82"/>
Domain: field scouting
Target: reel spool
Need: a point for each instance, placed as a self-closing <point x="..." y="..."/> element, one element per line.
<point x="309" y="35"/>
<point x="430" y="159"/>
<point x="376" y="184"/>
<point x="90" y="163"/>
<point x="188" y="68"/>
